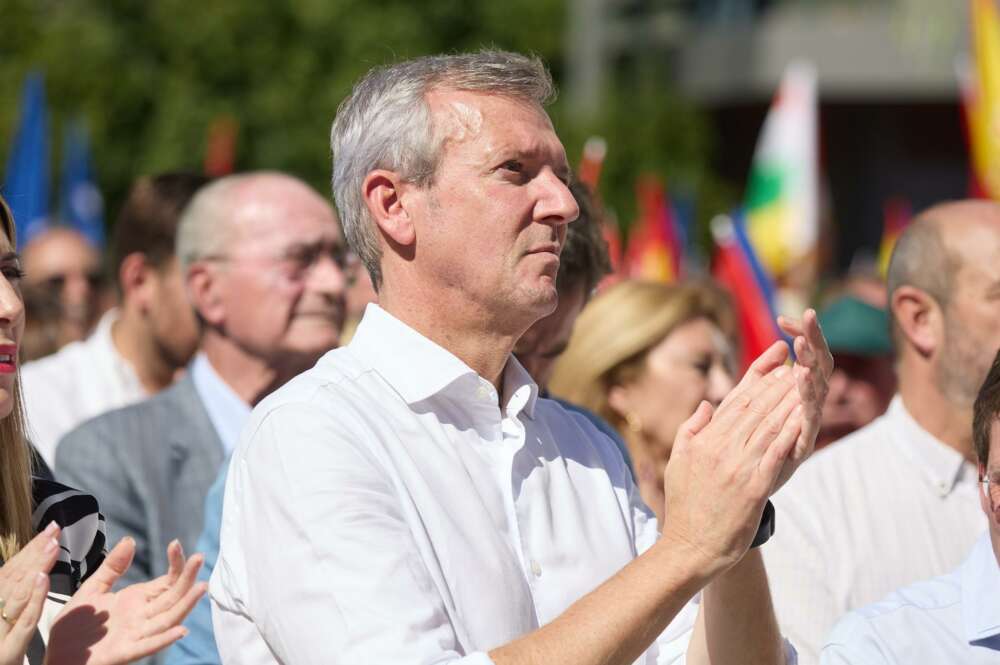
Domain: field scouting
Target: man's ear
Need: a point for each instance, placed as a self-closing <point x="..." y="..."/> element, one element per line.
<point x="984" y="499"/>
<point x="135" y="278"/>
<point x="919" y="318"/>
<point x="383" y="192"/>
<point x="619" y="399"/>
<point x="204" y="291"/>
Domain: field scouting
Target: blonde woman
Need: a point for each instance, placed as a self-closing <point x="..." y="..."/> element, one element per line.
<point x="643" y="355"/>
<point x="56" y="602"/>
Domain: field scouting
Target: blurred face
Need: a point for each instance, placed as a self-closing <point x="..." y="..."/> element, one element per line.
<point x="491" y="226"/>
<point x="11" y="322"/>
<point x="861" y="388"/>
<point x="62" y="261"/>
<point x="283" y="283"/>
<point x="172" y="319"/>
<point x="542" y="344"/>
<point x="972" y="316"/>
<point x="691" y="364"/>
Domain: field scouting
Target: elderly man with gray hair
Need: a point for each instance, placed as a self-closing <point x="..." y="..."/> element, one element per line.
<point x="265" y="267"/>
<point x="411" y="499"/>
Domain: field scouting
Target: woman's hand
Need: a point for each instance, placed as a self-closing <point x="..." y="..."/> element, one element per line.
<point x="101" y="627"/>
<point x="24" y="582"/>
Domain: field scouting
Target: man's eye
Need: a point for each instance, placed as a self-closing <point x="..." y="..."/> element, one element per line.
<point x="13" y="273"/>
<point x="514" y="166"/>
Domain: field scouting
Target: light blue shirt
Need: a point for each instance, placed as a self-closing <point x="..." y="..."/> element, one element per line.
<point x="954" y="618"/>
<point x="225" y="409"/>
<point x="228" y="414"/>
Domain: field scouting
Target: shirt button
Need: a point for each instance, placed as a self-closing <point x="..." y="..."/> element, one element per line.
<point x="536" y="569"/>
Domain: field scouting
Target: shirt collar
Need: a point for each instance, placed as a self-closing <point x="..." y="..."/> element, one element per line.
<point x="101" y="344"/>
<point x="941" y="465"/>
<point x="980" y="580"/>
<point x="418" y="368"/>
<point x="226" y="410"/>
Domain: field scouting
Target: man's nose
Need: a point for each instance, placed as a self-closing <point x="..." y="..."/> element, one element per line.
<point x="557" y="206"/>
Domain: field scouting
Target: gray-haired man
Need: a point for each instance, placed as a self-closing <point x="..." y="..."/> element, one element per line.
<point x="411" y="499"/>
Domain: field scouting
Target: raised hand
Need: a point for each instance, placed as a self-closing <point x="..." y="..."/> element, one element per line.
<point x="24" y="583"/>
<point x="101" y="627"/>
<point x="725" y="464"/>
<point x="812" y="370"/>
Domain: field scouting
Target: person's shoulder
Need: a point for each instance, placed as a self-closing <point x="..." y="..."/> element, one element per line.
<point x="582" y="434"/>
<point x="82" y="530"/>
<point x="920" y="608"/>
<point x="54" y="370"/>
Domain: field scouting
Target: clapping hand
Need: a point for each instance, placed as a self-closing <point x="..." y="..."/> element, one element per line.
<point x="24" y="583"/>
<point x="812" y="370"/>
<point x="99" y="626"/>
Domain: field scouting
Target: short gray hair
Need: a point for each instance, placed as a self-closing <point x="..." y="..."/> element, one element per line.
<point x="386" y="123"/>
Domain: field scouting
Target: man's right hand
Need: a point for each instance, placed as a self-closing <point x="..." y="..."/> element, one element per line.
<point x="724" y="465"/>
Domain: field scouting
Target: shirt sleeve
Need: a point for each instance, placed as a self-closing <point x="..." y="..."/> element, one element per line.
<point x="330" y="569"/>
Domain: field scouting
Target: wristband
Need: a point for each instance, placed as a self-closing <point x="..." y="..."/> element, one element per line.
<point x="766" y="528"/>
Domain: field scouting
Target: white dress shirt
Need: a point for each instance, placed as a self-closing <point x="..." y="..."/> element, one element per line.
<point x="882" y="508"/>
<point x="950" y="619"/>
<point x="81" y="380"/>
<point x="386" y="507"/>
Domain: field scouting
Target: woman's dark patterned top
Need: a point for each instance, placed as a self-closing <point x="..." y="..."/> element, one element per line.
<point x="81" y="549"/>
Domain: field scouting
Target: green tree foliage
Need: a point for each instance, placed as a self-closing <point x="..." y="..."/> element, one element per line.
<point x="150" y="76"/>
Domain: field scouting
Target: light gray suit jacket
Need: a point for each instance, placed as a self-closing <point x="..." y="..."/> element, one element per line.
<point x="150" y="466"/>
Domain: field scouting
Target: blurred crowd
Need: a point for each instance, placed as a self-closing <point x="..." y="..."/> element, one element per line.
<point x="143" y="362"/>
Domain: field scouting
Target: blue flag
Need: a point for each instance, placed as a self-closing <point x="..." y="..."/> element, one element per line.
<point x="82" y="206"/>
<point x="26" y="181"/>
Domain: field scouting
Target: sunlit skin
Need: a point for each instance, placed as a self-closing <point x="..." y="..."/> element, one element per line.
<point x="690" y="365"/>
<point x="483" y="240"/>
<point x="283" y="292"/>
<point x="172" y="319"/>
<point x="11" y="321"/>
<point x="543" y="343"/>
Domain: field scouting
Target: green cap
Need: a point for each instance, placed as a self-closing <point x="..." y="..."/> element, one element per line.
<point x="853" y="326"/>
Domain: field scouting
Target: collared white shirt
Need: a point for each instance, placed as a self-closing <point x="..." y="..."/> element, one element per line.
<point x="950" y="619"/>
<point x="386" y="507"/>
<point x="882" y="508"/>
<point x="81" y="380"/>
<point x="227" y="411"/>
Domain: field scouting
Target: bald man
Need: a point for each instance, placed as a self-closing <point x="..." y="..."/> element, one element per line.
<point x="265" y="266"/>
<point x="896" y="501"/>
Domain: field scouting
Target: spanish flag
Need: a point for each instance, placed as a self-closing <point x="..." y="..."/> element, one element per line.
<point x="655" y="250"/>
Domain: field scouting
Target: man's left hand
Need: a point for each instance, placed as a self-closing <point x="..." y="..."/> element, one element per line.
<point x="812" y="370"/>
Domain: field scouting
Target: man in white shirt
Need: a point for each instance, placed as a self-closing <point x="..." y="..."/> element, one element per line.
<point x="954" y="618"/>
<point x="138" y="347"/>
<point x="895" y="502"/>
<point x="412" y="500"/>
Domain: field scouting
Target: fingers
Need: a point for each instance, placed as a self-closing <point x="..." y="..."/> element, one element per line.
<point x="41" y="549"/>
<point x="775" y="422"/>
<point x="774" y="356"/>
<point x="175" y="614"/>
<point x="696" y="421"/>
<point x="155" y="643"/>
<point x="114" y="566"/>
<point x="176" y="588"/>
<point x="773" y="460"/>
<point x="175" y="555"/>
<point x="24" y="627"/>
<point x="744" y="412"/>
